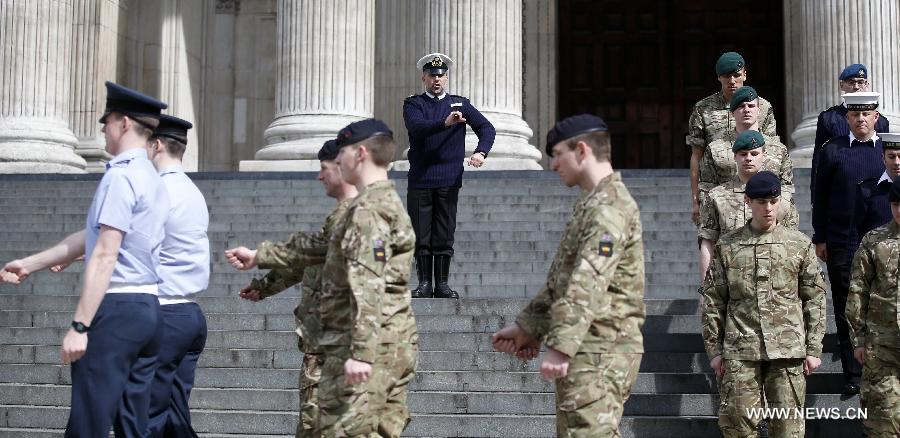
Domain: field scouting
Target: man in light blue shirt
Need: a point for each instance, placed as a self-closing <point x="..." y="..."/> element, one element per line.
<point x="184" y="272"/>
<point x="115" y="335"/>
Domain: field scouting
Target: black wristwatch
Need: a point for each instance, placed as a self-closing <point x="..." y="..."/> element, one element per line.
<point x="483" y="154"/>
<point x="80" y="327"/>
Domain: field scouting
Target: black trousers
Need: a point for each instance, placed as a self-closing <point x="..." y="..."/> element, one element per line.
<point x="433" y="215"/>
<point x="839" y="261"/>
<point x="184" y="331"/>
<point x="111" y="382"/>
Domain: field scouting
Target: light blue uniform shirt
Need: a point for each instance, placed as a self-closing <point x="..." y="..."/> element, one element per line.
<point x="130" y="198"/>
<point x="184" y="256"/>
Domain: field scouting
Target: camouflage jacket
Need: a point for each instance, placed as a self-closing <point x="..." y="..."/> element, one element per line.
<point x="711" y="120"/>
<point x="873" y="304"/>
<point x="764" y="297"/>
<point x="365" y="297"/>
<point x="593" y="299"/>
<point x="724" y="210"/>
<point x="300" y="259"/>
<point x="717" y="165"/>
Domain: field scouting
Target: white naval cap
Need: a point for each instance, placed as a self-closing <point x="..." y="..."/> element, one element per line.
<point x="436" y="63"/>
<point x="890" y="140"/>
<point x="862" y="101"/>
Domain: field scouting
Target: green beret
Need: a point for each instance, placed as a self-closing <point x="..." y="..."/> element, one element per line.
<point x="729" y="62"/>
<point x="748" y="140"/>
<point x="741" y="95"/>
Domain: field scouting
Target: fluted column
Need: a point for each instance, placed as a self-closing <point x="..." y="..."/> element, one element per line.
<point x="325" y="60"/>
<point x="862" y="32"/>
<point x="35" y="73"/>
<point x="484" y="38"/>
<point x="396" y="54"/>
<point x="180" y="47"/>
<point x="93" y="63"/>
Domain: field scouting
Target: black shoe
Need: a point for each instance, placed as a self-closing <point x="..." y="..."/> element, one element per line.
<point x="441" y="273"/>
<point x="850" y="389"/>
<point x="424" y="265"/>
<point x="763" y="428"/>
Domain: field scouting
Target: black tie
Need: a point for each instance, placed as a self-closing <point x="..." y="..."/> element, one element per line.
<point x="863" y="143"/>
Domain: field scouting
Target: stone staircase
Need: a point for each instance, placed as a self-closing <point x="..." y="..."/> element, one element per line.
<point x="509" y="226"/>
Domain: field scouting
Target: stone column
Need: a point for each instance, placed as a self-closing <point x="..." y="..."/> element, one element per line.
<point x="36" y="41"/>
<point x="180" y="47"/>
<point x="396" y="54"/>
<point x="324" y="79"/>
<point x="93" y="63"/>
<point x="484" y="38"/>
<point x="862" y="32"/>
<point x="541" y="40"/>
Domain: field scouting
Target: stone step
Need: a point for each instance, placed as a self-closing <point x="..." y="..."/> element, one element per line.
<point x="282" y="303"/>
<point x="652" y="238"/>
<point x="442" y="323"/>
<point x="484" y="425"/>
<point x="419" y="402"/>
<point x="517" y="380"/>
<point x="671" y="290"/>
<point x="428" y="341"/>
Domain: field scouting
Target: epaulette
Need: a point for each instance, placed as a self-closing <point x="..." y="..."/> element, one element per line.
<point x="832" y="139"/>
<point x="123" y="163"/>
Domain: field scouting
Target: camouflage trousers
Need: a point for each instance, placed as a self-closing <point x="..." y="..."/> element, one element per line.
<point x="747" y="383"/>
<point x="310" y="374"/>
<point x="590" y="399"/>
<point x="344" y="410"/>
<point x="880" y="391"/>
<point x="394" y="368"/>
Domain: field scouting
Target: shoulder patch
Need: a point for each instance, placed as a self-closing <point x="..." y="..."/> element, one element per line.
<point x="606" y="245"/>
<point x="379" y="252"/>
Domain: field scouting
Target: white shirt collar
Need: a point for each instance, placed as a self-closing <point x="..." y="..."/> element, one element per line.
<point x="873" y="139"/>
<point x="443" y="95"/>
<point x="884" y="177"/>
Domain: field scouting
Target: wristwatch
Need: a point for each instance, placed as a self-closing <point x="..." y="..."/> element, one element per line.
<point x="483" y="154"/>
<point x="80" y="327"/>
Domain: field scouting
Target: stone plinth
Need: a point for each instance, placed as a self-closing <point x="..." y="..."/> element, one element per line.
<point x="324" y="77"/>
<point x="36" y="41"/>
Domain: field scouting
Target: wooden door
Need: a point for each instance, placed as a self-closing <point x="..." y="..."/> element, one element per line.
<point x="641" y="65"/>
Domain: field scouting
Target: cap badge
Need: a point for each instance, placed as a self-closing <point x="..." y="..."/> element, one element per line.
<point x="436" y="62"/>
<point x="861" y="73"/>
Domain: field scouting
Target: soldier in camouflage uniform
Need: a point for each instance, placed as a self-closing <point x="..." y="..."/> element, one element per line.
<point x="300" y="259"/>
<point x="873" y="307"/>
<point x="368" y="327"/>
<point x="724" y="209"/>
<point x="764" y="316"/>
<point x="717" y="165"/>
<point x="590" y="312"/>
<point x="711" y="118"/>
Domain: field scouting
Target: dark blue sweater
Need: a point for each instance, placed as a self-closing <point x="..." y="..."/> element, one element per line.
<point x="839" y="169"/>
<point x="436" y="152"/>
<point x="832" y="123"/>
<point x="873" y="208"/>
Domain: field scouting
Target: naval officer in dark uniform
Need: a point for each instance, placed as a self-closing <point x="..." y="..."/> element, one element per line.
<point x="436" y="122"/>
<point x="843" y="162"/>
<point x="833" y="121"/>
<point x="873" y="206"/>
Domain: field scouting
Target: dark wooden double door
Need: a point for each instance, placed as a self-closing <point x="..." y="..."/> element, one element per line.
<point x="641" y="65"/>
